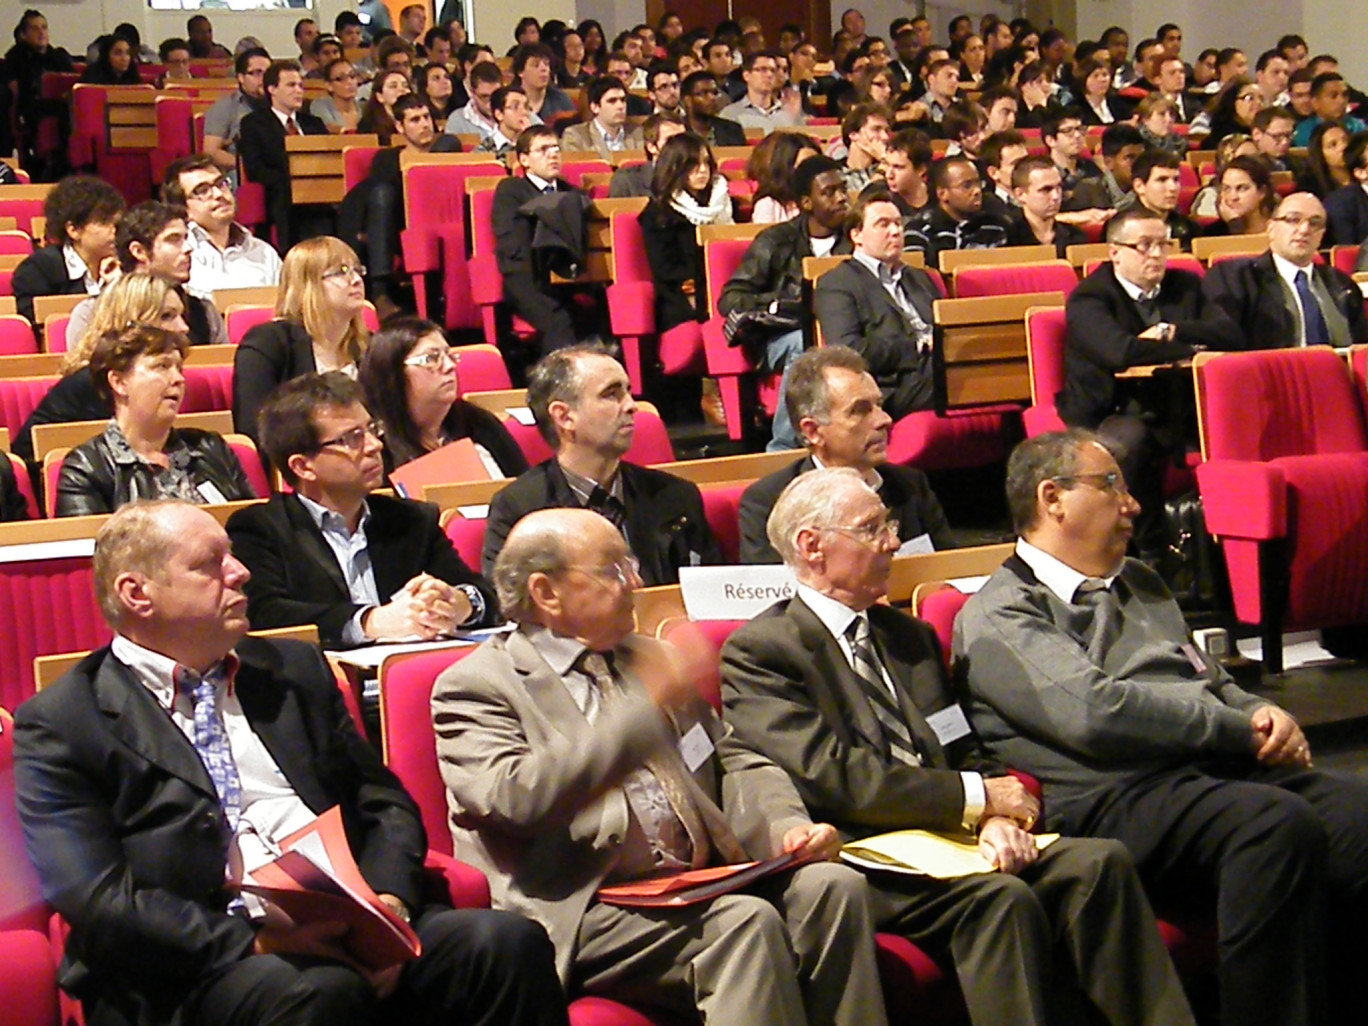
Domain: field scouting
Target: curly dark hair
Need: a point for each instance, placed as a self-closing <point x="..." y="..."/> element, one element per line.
<point x="77" y="201"/>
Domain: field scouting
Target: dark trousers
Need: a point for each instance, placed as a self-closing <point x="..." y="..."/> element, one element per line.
<point x="1286" y="853"/>
<point x="553" y="310"/>
<point x="478" y="967"/>
<point x="382" y="235"/>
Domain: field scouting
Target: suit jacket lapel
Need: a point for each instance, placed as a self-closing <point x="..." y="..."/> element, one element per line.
<point x="140" y="722"/>
<point x="312" y="545"/>
<point x="392" y="554"/>
<point x="906" y="680"/>
<point x="545" y="688"/>
<point x="844" y="700"/>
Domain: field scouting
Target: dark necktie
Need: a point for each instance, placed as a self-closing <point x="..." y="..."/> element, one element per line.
<point x="1149" y="311"/>
<point x="608" y="507"/>
<point x="881" y="701"/>
<point x="665" y="764"/>
<point x="211" y="737"/>
<point x="1105" y="605"/>
<point x="549" y="189"/>
<point x="1317" y="334"/>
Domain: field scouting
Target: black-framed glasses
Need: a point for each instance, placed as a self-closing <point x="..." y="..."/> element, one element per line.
<point x="1145" y="247"/>
<point x="868" y="534"/>
<point x="1111" y="481"/>
<point x="354" y="440"/>
<point x="206" y="189"/>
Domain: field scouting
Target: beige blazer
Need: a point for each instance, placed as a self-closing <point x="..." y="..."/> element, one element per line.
<point x="582" y="138"/>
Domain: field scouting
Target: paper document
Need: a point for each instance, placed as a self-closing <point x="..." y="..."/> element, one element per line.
<point x="925" y="853"/>
<point x="691" y="887"/>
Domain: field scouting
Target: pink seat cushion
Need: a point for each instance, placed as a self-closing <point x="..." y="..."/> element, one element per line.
<point x="722" y="508"/>
<point x="929" y="441"/>
<point x="1328" y="539"/>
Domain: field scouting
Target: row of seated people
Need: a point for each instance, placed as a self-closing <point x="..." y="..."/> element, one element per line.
<point x="1145" y="742"/>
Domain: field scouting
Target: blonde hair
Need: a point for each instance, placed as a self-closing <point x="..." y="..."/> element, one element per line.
<point x="136" y="298"/>
<point x="1152" y="104"/>
<point x="301" y="297"/>
<point x="135" y="540"/>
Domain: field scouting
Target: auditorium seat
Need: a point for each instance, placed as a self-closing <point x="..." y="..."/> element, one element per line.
<point x="1045" y="330"/>
<point x="1011" y="279"/>
<point x="24" y="483"/>
<point x="480" y="368"/>
<point x="208" y="387"/>
<point x="722" y="509"/>
<point x="16" y="336"/>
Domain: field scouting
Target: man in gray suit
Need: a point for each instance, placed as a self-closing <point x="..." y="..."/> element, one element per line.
<point x="1082" y="671"/>
<point x="851" y="698"/>
<point x="577" y="754"/>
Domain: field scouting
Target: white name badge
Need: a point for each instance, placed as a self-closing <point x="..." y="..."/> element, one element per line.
<point x="210" y="493"/>
<point x="733" y="592"/>
<point x="695" y="747"/>
<point x="949" y="724"/>
<point x="918" y="546"/>
<point x="522" y="414"/>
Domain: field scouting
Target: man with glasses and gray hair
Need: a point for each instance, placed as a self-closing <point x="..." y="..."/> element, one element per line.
<point x="362" y="567"/>
<point x="851" y="698"/>
<point x="1136" y="311"/>
<point x="1082" y="671"/>
<point x="578" y="755"/>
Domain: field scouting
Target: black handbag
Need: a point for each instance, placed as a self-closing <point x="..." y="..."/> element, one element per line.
<point x="752" y="329"/>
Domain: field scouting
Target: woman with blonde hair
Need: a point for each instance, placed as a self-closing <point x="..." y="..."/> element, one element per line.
<point x="138" y="297"/>
<point x="319" y="326"/>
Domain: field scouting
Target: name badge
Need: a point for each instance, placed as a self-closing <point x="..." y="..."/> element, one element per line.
<point x="733" y="592"/>
<point x="209" y="493"/>
<point x="918" y="546"/>
<point x="695" y="747"/>
<point x="949" y="724"/>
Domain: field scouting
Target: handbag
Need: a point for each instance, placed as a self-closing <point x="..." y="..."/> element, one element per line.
<point x="753" y="329"/>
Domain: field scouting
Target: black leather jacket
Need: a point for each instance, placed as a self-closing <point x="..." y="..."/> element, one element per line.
<point x="94" y="481"/>
<point x="772" y="267"/>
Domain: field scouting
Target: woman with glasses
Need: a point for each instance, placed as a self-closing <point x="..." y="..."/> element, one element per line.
<point x="1234" y="109"/>
<point x="409" y="376"/>
<point x="141" y="454"/>
<point x="339" y="109"/>
<point x="318" y="326"/>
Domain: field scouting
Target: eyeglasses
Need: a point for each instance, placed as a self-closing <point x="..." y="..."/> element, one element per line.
<point x="345" y="271"/>
<point x="1295" y="221"/>
<point x="1279" y="136"/>
<point x="354" y="441"/>
<point x="623" y="572"/>
<point x="869" y="534"/>
<point x="549" y="148"/>
<point x="1112" y="481"/>
<point x="434" y="359"/>
<point x="206" y="189"/>
<point x="1069" y="130"/>
<point x="1145" y="247"/>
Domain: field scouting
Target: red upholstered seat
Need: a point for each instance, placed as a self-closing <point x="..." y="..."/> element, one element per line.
<point x="1284" y="487"/>
<point x="208" y="387"/>
<point x="175" y="134"/>
<point x="16" y="336"/>
<point x="15" y="243"/>
<point x="481" y="368"/>
<point x="356" y="162"/>
<point x="22" y="210"/>
<point x="722" y="508"/>
<point x="486" y="282"/>
<point x="1343" y="258"/>
<point x="28" y="979"/>
<point x="573" y="171"/>
<point x="55" y="334"/>
<point x="467" y="538"/>
<point x="19" y="397"/>
<point x="729" y="365"/>
<point x="25" y="485"/>
<point x="250" y="459"/>
<point x="49" y="607"/>
<point x="1015" y="279"/>
<point x="960" y="439"/>
<point x="434" y="238"/>
<point x="243" y="319"/>
<point x="1045" y="331"/>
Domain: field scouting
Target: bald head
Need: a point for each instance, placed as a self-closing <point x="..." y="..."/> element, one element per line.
<point x="1297" y="228"/>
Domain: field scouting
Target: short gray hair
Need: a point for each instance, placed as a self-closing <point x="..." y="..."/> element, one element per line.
<point x="556" y="377"/>
<point x="1040" y="459"/>
<point x="805" y="394"/>
<point x="810" y="500"/>
<point x="133" y="540"/>
<point x="536" y="547"/>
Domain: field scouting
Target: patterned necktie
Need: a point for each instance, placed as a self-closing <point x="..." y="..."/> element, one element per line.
<point x="602" y="502"/>
<point x="881" y="701"/>
<point x="211" y="737"/>
<point x="1149" y="310"/>
<point x="1317" y="334"/>
<point x="665" y="764"/>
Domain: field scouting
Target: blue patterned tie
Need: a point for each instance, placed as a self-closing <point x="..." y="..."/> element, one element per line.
<point x="1317" y="334"/>
<point x="211" y="737"/>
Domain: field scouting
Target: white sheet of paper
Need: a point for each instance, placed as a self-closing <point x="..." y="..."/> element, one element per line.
<point x="474" y="512"/>
<point x="47" y="550"/>
<point x="695" y="747"/>
<point x="968" y="585"/>
<point x="210" y="493"/>
<point x="918" y="546"/>
<point x="733" y="592"/>
<point x="949" y="724"/>
<point x="522" y="414"/>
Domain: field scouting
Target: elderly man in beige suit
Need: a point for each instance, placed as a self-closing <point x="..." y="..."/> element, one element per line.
<point x="578" y="755"/>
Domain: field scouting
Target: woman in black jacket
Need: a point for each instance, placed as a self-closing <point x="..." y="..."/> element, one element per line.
<point x="686" y="191"/>
<point x="410" y="379"/>
<point x="116" y="64"/>
<point x="140" y="455"/>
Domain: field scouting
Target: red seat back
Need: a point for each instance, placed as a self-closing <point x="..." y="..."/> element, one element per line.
<point x="174" y="135"/>
<point x="650" y="441"/>
<point x="22" y="210"/>
<point x="16" y="243"/>
<point x="575" y="170"/>
<point x="250" y="460"/>
<point x="18" y="398"/>
<point x="16" y="336"/>
<point x="482" y="222"/>
<point x="1045" y="331"/>
<point x="435" y="206"/>
<point x="467" y="538"/>
<point x="244" y="319"/>
<point x="722" y="508"/>
<point x="21" y="898"/>
<point x="481" y="369"/>
<point x="208" y="388"/>
<point x="409" y="744"/>
<point x="24" y="483"/>
<point x="1278" y="402"/>
<point x="939" y="609"/>
<point x="55" y="334"/>
<point x="721" y="258"/>
<point x="356" y="162"/>
<point x="1343" y="258"/>
<point x="49" y="607"/>
<point x="714" y="633"/>
<point x="629" y="249"/>
<point x="1015" y="279"/>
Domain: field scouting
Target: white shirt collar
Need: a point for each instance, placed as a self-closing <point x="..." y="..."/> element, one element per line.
<point x="1135" y="291"/>
<point x="284" y="118"/>
<point x="76" y="268"/>
<point x="540" y="183"/>
<point x="835" y="616"/>
<point x="1058" y="576"/>
<point x="323" y="517"/>
<point x="1287" y="270"/>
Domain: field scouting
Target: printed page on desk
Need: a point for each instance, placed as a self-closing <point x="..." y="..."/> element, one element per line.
<point x="925" y="853"/>
<point x="315" y="879"/>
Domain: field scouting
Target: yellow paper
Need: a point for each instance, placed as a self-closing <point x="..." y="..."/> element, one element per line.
<point x="925" y="853"/>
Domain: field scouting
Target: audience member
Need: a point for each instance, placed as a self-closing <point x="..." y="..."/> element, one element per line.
<point x="409" y="376"/>
<point x="838" y="408"/>
<point x="1135" y="311"/>
<point x="1235" y="110"/>
<point x="772" y="165"/>
<point x="585" y="412"/>
<point x="1329" y="102"/>
<point x="865" y="133"/>
<point x="138" y="298"/>
<point x="570" y="68"/>
<point x="412" y="23"/>
<point x="200" y="31"/>
<point x="153" y="237"/>
<point x="326" y="49"/>
<point x="770" y="275"/>
<point x="795" y="949"/>
<point x="998" y="157"/>
<point x="141" y="454"/>
<point x="1272" y="134"/>
<point x="607" y="130"/>
<point x="1092" y="79"/>
<point x="1346" y="208"/>
<point x="1155" y="117"/>
<point x="1247" y="197"/>
<point x="956" y="220"/>
<point x="512" y="117"/>
<point x="476" y="117"/>
<point x="1064" y="135"/>
<point x="339" y="110"/>
<point x="1284" y="297"/>
<point x="82" y="213"/>
<point x="1081" y="671"/>
<point x="432" y="84"/>
<point x="1206" y="201"/>
<point x="116" y="64"/>
<point x="1326" y="169"/>
<point x="1038" y="192"/>
<point x="686" y="192"/>
<point x="275" y="744"/>
<point x="702" y="100"/>
<point x="378" y="116"/>
<point x="634" y="180"/>
<point x="880" y="308"/>
<point x="906" y="162"/>
<point x="764" y="105"/>
<point x="1155" y="187"/>
<point x="21" y="74"/>
<point x="851" y="698"/>
<point x="223" y="253"/>
<point x="1271" y="73"/>
<point x="532" y="70"/>
<point x="363" y="567"/>
<point x="223" y="121"/>
<point x="318" y="327"/>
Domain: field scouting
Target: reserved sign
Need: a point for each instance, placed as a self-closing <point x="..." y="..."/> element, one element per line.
<point x="733" y="592"/>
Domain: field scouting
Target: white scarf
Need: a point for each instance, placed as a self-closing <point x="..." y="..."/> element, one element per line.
<point x="718" y="210"/>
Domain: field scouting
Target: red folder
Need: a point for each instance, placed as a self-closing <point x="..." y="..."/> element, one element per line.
<point x="692" y="887"/>
<point x="458" y="461"/>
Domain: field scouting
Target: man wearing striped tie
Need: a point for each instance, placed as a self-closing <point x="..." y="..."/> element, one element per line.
<point x="851" y="698"/>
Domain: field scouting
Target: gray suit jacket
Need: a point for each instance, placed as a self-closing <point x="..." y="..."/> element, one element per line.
<point x="534" y="791"/>
<point x="789" y="692"/>
<point x="582" y="138"/>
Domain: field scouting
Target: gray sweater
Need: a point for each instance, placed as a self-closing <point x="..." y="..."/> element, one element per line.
<point x="1093" y="699"/>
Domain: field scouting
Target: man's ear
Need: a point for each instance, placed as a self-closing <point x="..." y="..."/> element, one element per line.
<point x="809" y="546"/>
<point x="1050" y="499"/>
<point x="131" y="588"/>
<point x="561" y="415"/>
<point x="302" y="467"/>
<point x="541" y="592"/>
